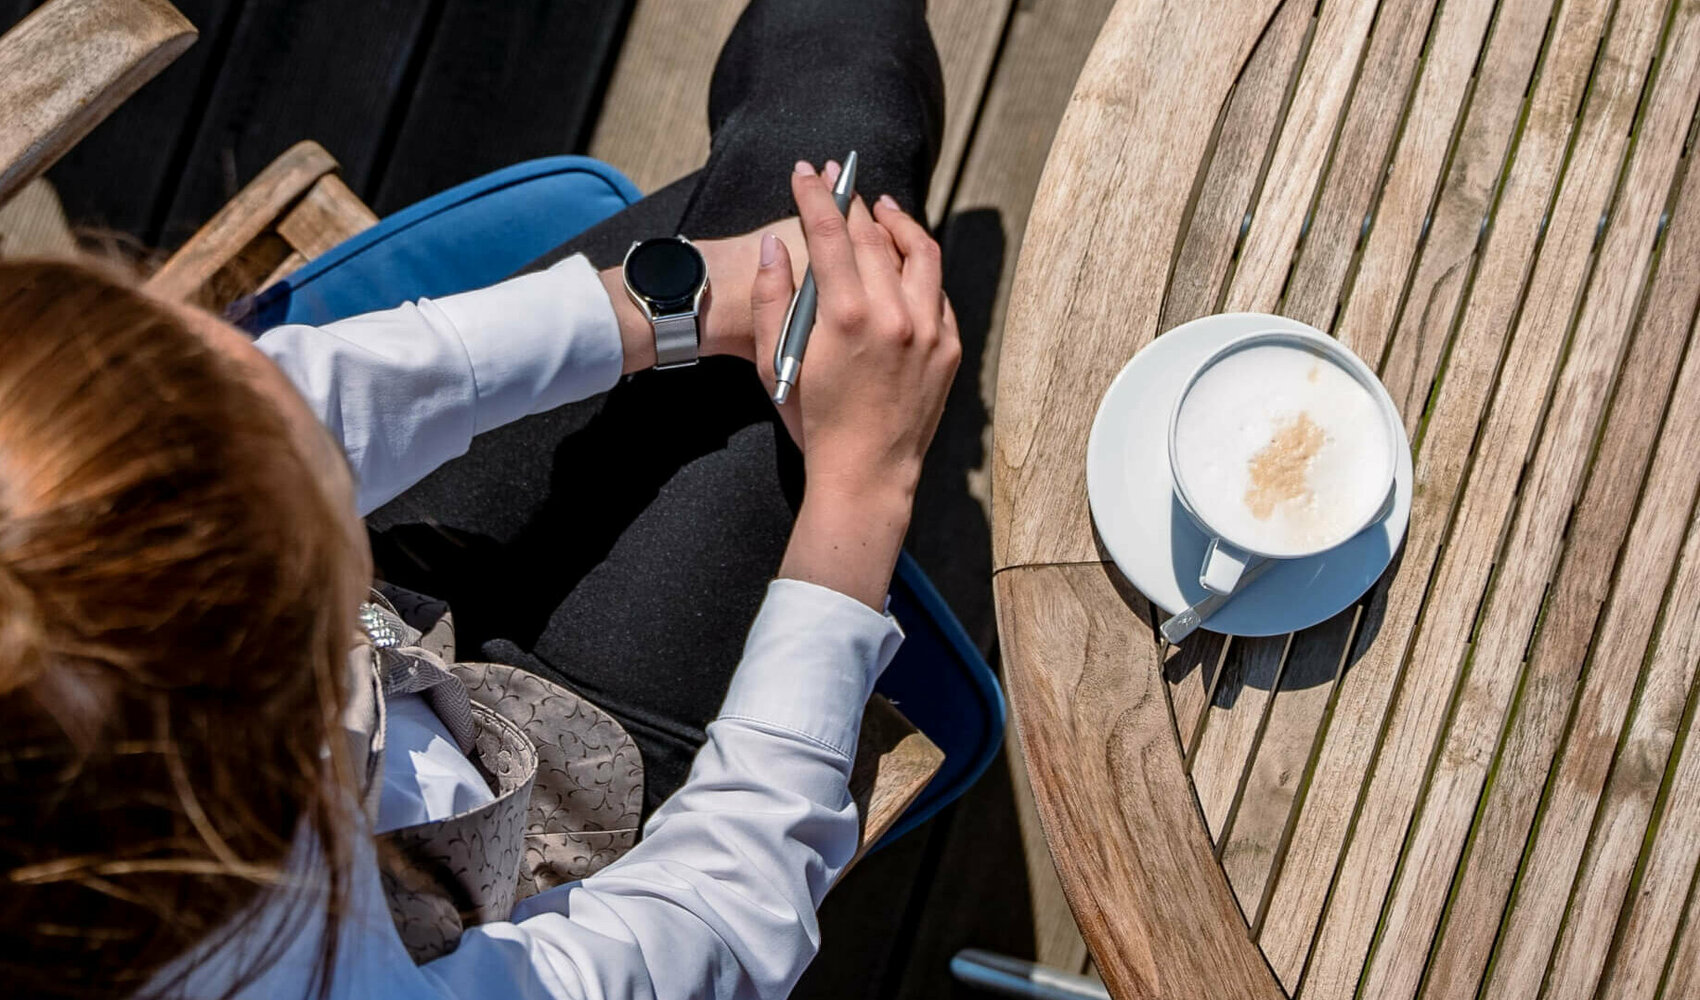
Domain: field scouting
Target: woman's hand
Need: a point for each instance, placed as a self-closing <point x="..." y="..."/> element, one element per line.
<point x="879" y="365"/>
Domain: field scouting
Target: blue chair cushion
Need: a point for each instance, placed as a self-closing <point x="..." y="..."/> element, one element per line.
<point x="472" y="235"/>
<point x="482" y="231"/>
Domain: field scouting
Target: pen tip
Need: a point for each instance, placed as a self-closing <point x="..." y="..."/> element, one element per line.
<point x="781" y="392"/>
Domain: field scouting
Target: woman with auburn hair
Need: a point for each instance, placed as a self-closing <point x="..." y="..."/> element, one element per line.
<point x="233" y="768"/>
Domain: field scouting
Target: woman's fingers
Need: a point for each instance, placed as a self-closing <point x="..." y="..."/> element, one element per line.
<point x="770" y="302"/>
<point x="824" y="229"/>
<point x="922" y="269"/>
<point x="878" y="264"/>
<point x="923" y="274"/>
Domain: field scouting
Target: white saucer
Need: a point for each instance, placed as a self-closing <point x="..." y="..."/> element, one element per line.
<point x="1159" y="548"/>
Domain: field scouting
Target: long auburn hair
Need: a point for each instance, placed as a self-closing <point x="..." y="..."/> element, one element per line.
<point x="177" y="600"/>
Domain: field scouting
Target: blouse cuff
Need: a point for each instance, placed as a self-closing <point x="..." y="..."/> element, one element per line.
<point x="537" y="341"/>
<point x="810" y="664"/>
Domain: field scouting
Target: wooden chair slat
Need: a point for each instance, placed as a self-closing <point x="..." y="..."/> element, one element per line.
<point x="894" y="763"/>
<point x="1369" y="687"/>
<point x="325" y="216"/>
<point x="48" y="102"/>
<point x="254" y="211"/>
<point x="1175" y="921"/>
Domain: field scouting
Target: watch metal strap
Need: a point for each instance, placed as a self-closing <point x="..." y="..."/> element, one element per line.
<point x="676" y="340"/>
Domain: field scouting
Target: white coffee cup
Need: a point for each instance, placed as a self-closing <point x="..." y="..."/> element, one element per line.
<point x="1282" y="445"/>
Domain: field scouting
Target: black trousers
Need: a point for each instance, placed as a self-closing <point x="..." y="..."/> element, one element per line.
<point x="623" y="544"/>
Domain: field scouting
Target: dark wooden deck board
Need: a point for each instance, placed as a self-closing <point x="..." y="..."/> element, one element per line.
<point x="500" y="83"/>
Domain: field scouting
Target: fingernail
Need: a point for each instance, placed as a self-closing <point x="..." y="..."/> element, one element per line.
<point x="769" y="250"/>
<point x="887" y="201"/>
<point x="805" y="168"/>
<point x="831" y="171"/>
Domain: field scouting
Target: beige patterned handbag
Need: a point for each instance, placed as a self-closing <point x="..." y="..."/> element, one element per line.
<point x="568" y="780"/>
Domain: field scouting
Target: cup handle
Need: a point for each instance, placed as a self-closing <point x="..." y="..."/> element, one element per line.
<point x="1223" y="566"/>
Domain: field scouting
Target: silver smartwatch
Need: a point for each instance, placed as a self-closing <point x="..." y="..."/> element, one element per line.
<point x="667" y="279"/>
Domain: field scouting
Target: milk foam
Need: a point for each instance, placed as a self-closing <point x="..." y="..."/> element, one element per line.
<point x="1282" y="450"/>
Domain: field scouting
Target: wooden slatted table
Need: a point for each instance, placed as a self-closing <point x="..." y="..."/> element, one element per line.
<point x="1480" y="781"/>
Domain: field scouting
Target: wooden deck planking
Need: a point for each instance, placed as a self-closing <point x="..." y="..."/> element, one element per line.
<point x="1550" y="485"/>
<point x="1353" y="741"/>
<point x="1579" y="594"/>
<point x="484" y="100"/>
<point x="321" y="69"/>
<point x="654" y="124"/>
<point x="1407" y="768"/>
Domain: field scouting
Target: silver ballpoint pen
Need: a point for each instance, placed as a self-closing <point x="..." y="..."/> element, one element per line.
<point x="794" y="339"/>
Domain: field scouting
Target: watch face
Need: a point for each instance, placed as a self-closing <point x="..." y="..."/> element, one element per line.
<point x="667" y="271"/>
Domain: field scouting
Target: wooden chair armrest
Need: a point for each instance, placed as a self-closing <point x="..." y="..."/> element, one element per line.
<point x="67" y="65"/>
<point x="254" y="211"/>
<point x="894" y="762"/>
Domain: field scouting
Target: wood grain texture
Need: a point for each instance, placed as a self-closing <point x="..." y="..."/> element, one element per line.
<point x="1651" y="916"/>
<point x="1359" y="161"/>
<point x="1420" y="261"/>
<point x="1682" y="967"/>
<point x="1414" y="741"/>
<point x="1638" y="777"/>
<point x="1579" y="593"/>
<point x="1573" y="793"/>
<point x="1139" y="873"/>
<point x="1366" y="692"/>
<point x="122" y="175"/>
<point x="1250" y="677"/>
<point x="894" y="763"/>
<point x="33" y="223"/>
<point x="967" y="34"/>
<point x="1047" y="388"/>
<point x="1436" y="115"/>
<point x="325" y="216"/>
<point x="1256" y="841"/>
<point x="1198" y="281"/>
<point x="1301" y="155"/>
<point x="67" y="65"/>
<point x="654" y="121"/>
<point x="253" y="212"/>
<point x="1550" y="482"/>
<point x="1244" y="142"/>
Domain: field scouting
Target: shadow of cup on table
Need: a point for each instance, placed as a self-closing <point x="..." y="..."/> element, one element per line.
<point x="1318" y="654"/>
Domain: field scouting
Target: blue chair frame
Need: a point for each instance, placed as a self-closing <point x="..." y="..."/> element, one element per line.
<point x="480" y="232"/>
